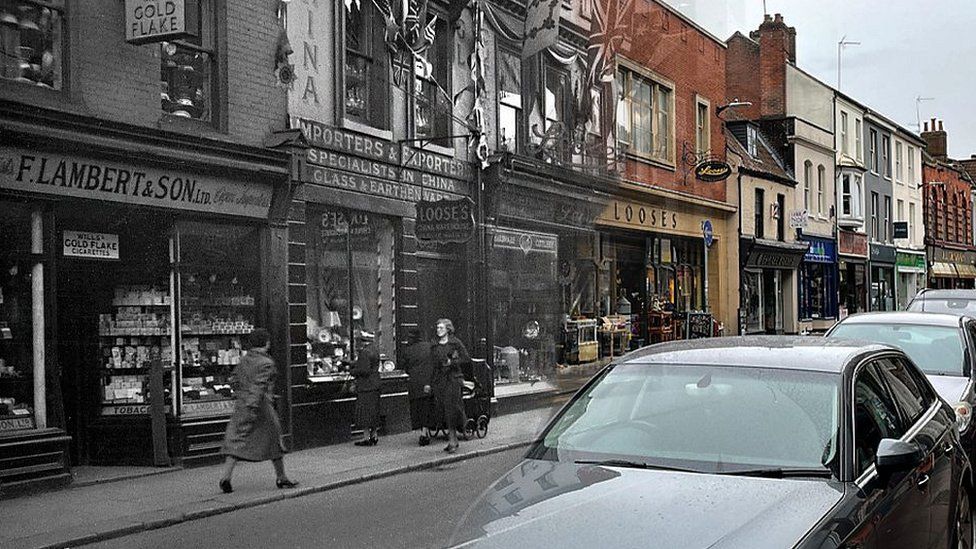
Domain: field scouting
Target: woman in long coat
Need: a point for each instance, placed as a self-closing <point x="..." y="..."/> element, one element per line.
<point x="367" y="374"/>
<point x="448" y="355"/>
<point x="254" y="431"/>
<point x="416" y="362"/>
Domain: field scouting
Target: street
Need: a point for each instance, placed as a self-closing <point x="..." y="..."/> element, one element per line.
<point x="416" y="509"/>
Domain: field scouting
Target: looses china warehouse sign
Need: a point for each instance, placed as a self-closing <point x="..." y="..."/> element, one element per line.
<point x="60" y="175"/>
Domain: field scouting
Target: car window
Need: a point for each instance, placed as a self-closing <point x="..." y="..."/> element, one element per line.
<point x="910" y="396"/>
<point x="875" y="417"/>
<point x="936" y="350"/>
<point x="958" y="306"/>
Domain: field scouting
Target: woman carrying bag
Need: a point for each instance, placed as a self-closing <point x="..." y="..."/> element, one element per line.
<point x="449" y="355"/>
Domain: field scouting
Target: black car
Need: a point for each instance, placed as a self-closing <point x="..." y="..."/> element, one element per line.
<point x="745" y="442"/>
<point x="957" y="302"/>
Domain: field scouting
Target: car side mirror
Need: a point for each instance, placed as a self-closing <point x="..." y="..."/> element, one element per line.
<point x="896" y="456"/>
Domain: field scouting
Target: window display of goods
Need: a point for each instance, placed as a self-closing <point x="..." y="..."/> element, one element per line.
<point x="198" y="321"/>
<point x="125" y="390"/>
<point x="135" y="352"/>
<point x="133" y="321"/>
<point x="135" y="295"/>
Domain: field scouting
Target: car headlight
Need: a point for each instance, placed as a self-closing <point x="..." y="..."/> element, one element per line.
<point x="964" y="415"/>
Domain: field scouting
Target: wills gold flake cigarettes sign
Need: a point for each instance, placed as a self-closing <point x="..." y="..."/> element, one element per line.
<point x="158" y="20"/>
<point x="90" y="245"/>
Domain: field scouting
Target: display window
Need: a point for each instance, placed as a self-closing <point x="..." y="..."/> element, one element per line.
<point x="351" y="287"/>
<point x="817" y="290"/>
<point x="16" y="326"/>
<point x="752" y="301"/>
<point x="882" y="289"/>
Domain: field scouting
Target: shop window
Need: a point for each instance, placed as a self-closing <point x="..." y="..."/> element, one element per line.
<point x="510" y="116"/>
<point x="644" y="115"/>
<point x="433" y="104"/>
<point x="351" y="286"/>
<point x="188" y="71"/>
<point x="752" y="295"/>
<point x="817" y="289"/>
<point x="366" y="93"/>
<point x="32" y="42"/>
<point x="16" y="326"/>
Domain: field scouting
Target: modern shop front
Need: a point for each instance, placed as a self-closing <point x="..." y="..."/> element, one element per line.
<point x="852" y="272"/>
<point x="882" y="282"/>
<point x="357" y="264"/>
<point x="818" y="284"/>
<point x="910" y="268"/>
<point x="769" y="277"/>
<point x="114" y="250"/>
<point x="951" y="269"/>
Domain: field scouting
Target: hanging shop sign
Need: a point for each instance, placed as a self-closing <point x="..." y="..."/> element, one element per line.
<point x="69" y="176"/>
<point x="90" y="245"/>
<point x="525" y="241"/>
<point x="882" y="254"/>
<point x="798" y="219"/>
<point x="445" y="220"/>
<point x="712" y="171"/>
<point x="159" y="20"/>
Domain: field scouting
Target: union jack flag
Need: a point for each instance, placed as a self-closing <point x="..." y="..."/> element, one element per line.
<point x="609" y="24"/>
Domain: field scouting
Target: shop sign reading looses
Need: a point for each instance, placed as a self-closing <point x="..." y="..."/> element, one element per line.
<point x="445" y="220"/>
<point x="60" y="175"/>
<point x="158" y="20"/>
<point x="90" y="245"/>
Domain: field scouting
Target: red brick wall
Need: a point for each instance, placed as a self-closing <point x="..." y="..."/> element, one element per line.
<point x="741" y="71"/>
<point x="946" y="222"/>
<point x="757" y="72"/>
<point x="695" y="63"/>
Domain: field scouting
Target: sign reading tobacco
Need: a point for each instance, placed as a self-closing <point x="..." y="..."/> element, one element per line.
<point x="158" y="20"/>
<point x="445" y="220"/>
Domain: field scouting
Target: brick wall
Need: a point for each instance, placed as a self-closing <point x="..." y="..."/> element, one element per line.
<point x="666" y="45"/>
<point x="947" y="206"/>
<point x="756" y="67"/>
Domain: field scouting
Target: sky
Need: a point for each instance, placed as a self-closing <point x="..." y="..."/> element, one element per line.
<point x="909" y="49"/>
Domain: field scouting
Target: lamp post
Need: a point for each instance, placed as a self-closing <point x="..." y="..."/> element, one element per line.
<point x="840" y="48"/>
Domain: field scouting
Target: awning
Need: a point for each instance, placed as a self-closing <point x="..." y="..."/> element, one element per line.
<point x="966" y="270"/>
<point x="944" y="270"/>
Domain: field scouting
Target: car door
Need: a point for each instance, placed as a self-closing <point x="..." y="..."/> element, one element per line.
<point x="932" y="430"/>
<point x="893" y="512"/>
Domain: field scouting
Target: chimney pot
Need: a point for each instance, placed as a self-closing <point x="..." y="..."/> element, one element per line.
<point x="778" y="18"/>
<point x="940" y="126"/>
<point x="933" y="124"/>
<point x="767" y="18"/>
<point x="926" y="126"/>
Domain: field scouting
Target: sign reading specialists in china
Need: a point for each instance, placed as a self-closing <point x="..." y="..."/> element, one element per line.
<point x="62" y="175"/>
<point x="160" y="20"/>
<point x="445" y="220"/>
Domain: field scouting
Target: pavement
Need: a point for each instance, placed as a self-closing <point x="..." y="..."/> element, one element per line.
<point x="100" y="507"/>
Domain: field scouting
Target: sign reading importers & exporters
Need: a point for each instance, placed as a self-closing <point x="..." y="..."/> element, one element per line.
<point x="69" y="176"/>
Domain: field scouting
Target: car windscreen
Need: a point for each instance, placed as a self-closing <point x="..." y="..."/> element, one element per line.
<point x="960" y="306"/>
<point x="936" y="350"/>
<point x="704" y="418"/>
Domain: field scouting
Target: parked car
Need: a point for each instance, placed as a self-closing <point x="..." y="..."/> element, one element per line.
<point x="958" y="302"/>
<point x="740" y="442"/>
<point x="943" y="346"/>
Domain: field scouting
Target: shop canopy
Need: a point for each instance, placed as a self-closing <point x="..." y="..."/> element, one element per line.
<point x="943" y="270"/>
<point x="966" y="270"/>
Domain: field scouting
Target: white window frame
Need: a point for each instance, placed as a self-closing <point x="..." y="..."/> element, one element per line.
<point x="857" y="140"/>
<point x="752" y="140"/>
<point x="657" y="83"/>
<point x="911" y="221"/>
<point x="846" y="195"/>
<point x="703" y="127"/>
<point x="886" y="156"/>
<point x="873" y="143"/>
<point x="844" y="146"/>
<point x="911" y="163"/>
<point x="899" y="172"/>
<point x="875" y="232"/>
<point x="807" y="175"/>
<point x="821" y="201"/>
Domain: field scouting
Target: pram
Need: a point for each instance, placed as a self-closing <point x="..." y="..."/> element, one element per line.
<point x="477" y="394"/>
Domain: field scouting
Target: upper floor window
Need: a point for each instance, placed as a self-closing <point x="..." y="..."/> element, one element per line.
<point x="844" y="147"/>
<point x="510" y="114"/>
<point x="886" y="155"/>
<point x="857" y="139"/>
<point x="911" y="221"/>
<point x="32" y="42"/>
<point x="874" y="151"/>
<point x="899" y="173"/>
<point x="644" y="115"/>
<point x="366" y="86"/>
<point x="752" y="140"/>
<point x="702" y="128"/>
<point x="874" y="216"/>
<point x="851" y="195"/>
<point x="887" y="219"/>
<point x="821" y="195"/>
<point x="188" y="72"/>
<point x="760" y="214"/>
<point x="433" y="104"/>
<point x="911" y="163"/>
<point x="557" y="92"/>
<point x="807" y="176"/>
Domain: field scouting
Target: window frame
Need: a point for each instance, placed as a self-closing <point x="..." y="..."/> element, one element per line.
<point x="873" y="143"/>
<point x="844" y="146"/>
<point x="23" y="92"/>
<point x="703" y="127"/>
<point x="807" y="191"/>
<point x="752" y="140"/>
<point x="887" y="218"/>
<point x="821" y="194"/>
<point x="438" y="145"/>
<point x="911" y="163"/>
<point x="886" y="156"/>
<point x="759" y="216"/>
<point x="874" y="216"/>
<point x="899" y="161"/>
<point x="857" y="140"/>
<point x="520" y="119"/>
<point x="846" y="195"/>
<point x="911" y="221"/>
<point x="345" y="120"/>
<point x="869" y="363"/>
<point x="656" y="82"/>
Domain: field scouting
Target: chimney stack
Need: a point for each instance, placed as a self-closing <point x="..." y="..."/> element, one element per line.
<point x="777" y="47"/>
<point x="935" y="140"/>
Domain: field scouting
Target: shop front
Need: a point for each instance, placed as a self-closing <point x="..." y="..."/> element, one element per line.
<point x="818" y="284"/>
<point x="910" y="269"/>
<point x="852" y="271"/>
<point x="951" y="269"/>
<point x="769" y="277"/>
<point x="131" y="284"/>
<point x="358" y="264"/>
<point x="882" y="282"/>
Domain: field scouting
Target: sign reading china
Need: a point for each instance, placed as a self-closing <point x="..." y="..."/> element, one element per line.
<point x="90" y="245"/>
<point x="62" y="175"/>
<point x="445" y="220"/>
<point x="158" y="20"/>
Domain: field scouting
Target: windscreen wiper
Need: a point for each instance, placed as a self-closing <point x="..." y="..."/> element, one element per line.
<point x="780" y="472"/>
<point x="633" y="465"/>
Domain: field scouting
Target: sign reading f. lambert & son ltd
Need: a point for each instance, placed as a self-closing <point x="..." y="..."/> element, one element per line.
<point x="158" y="20"/>
<point x="59" y="175"/>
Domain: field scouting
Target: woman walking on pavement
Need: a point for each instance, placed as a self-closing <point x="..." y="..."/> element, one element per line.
<point x="448" y="355"/>
<point x="417" y="364"/>
<point x="367" y="374"/>
<point x="254" y="431"/>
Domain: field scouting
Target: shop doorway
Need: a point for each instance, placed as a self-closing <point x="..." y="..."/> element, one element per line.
<point x="441" y="294"/>
<point x="772" y="288"/>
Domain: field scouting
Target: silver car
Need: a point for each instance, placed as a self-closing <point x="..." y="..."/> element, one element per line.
<point x="943" y="346"/>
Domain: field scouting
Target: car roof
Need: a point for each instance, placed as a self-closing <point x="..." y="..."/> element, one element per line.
<point x="930" y="293"/>
<point x="947" y="320"/>
<point x="784" y="352"/>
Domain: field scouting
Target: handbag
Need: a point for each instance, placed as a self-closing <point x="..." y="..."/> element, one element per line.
<point x="349" y="386"/>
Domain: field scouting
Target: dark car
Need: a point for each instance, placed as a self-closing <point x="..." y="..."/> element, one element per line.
<point x="957" y="302"/>
<point x="744" y="442"/>
<point x="943" y="346"/>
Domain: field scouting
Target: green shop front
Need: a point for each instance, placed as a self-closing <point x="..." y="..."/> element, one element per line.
<point x="129" y="284"/>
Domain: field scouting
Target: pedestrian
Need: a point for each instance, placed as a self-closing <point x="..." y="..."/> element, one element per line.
<point x="366" y="371"/>
<point x="449" y="355"/>
<point x="254" y="431"/>
<point x="417" y="363"/>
